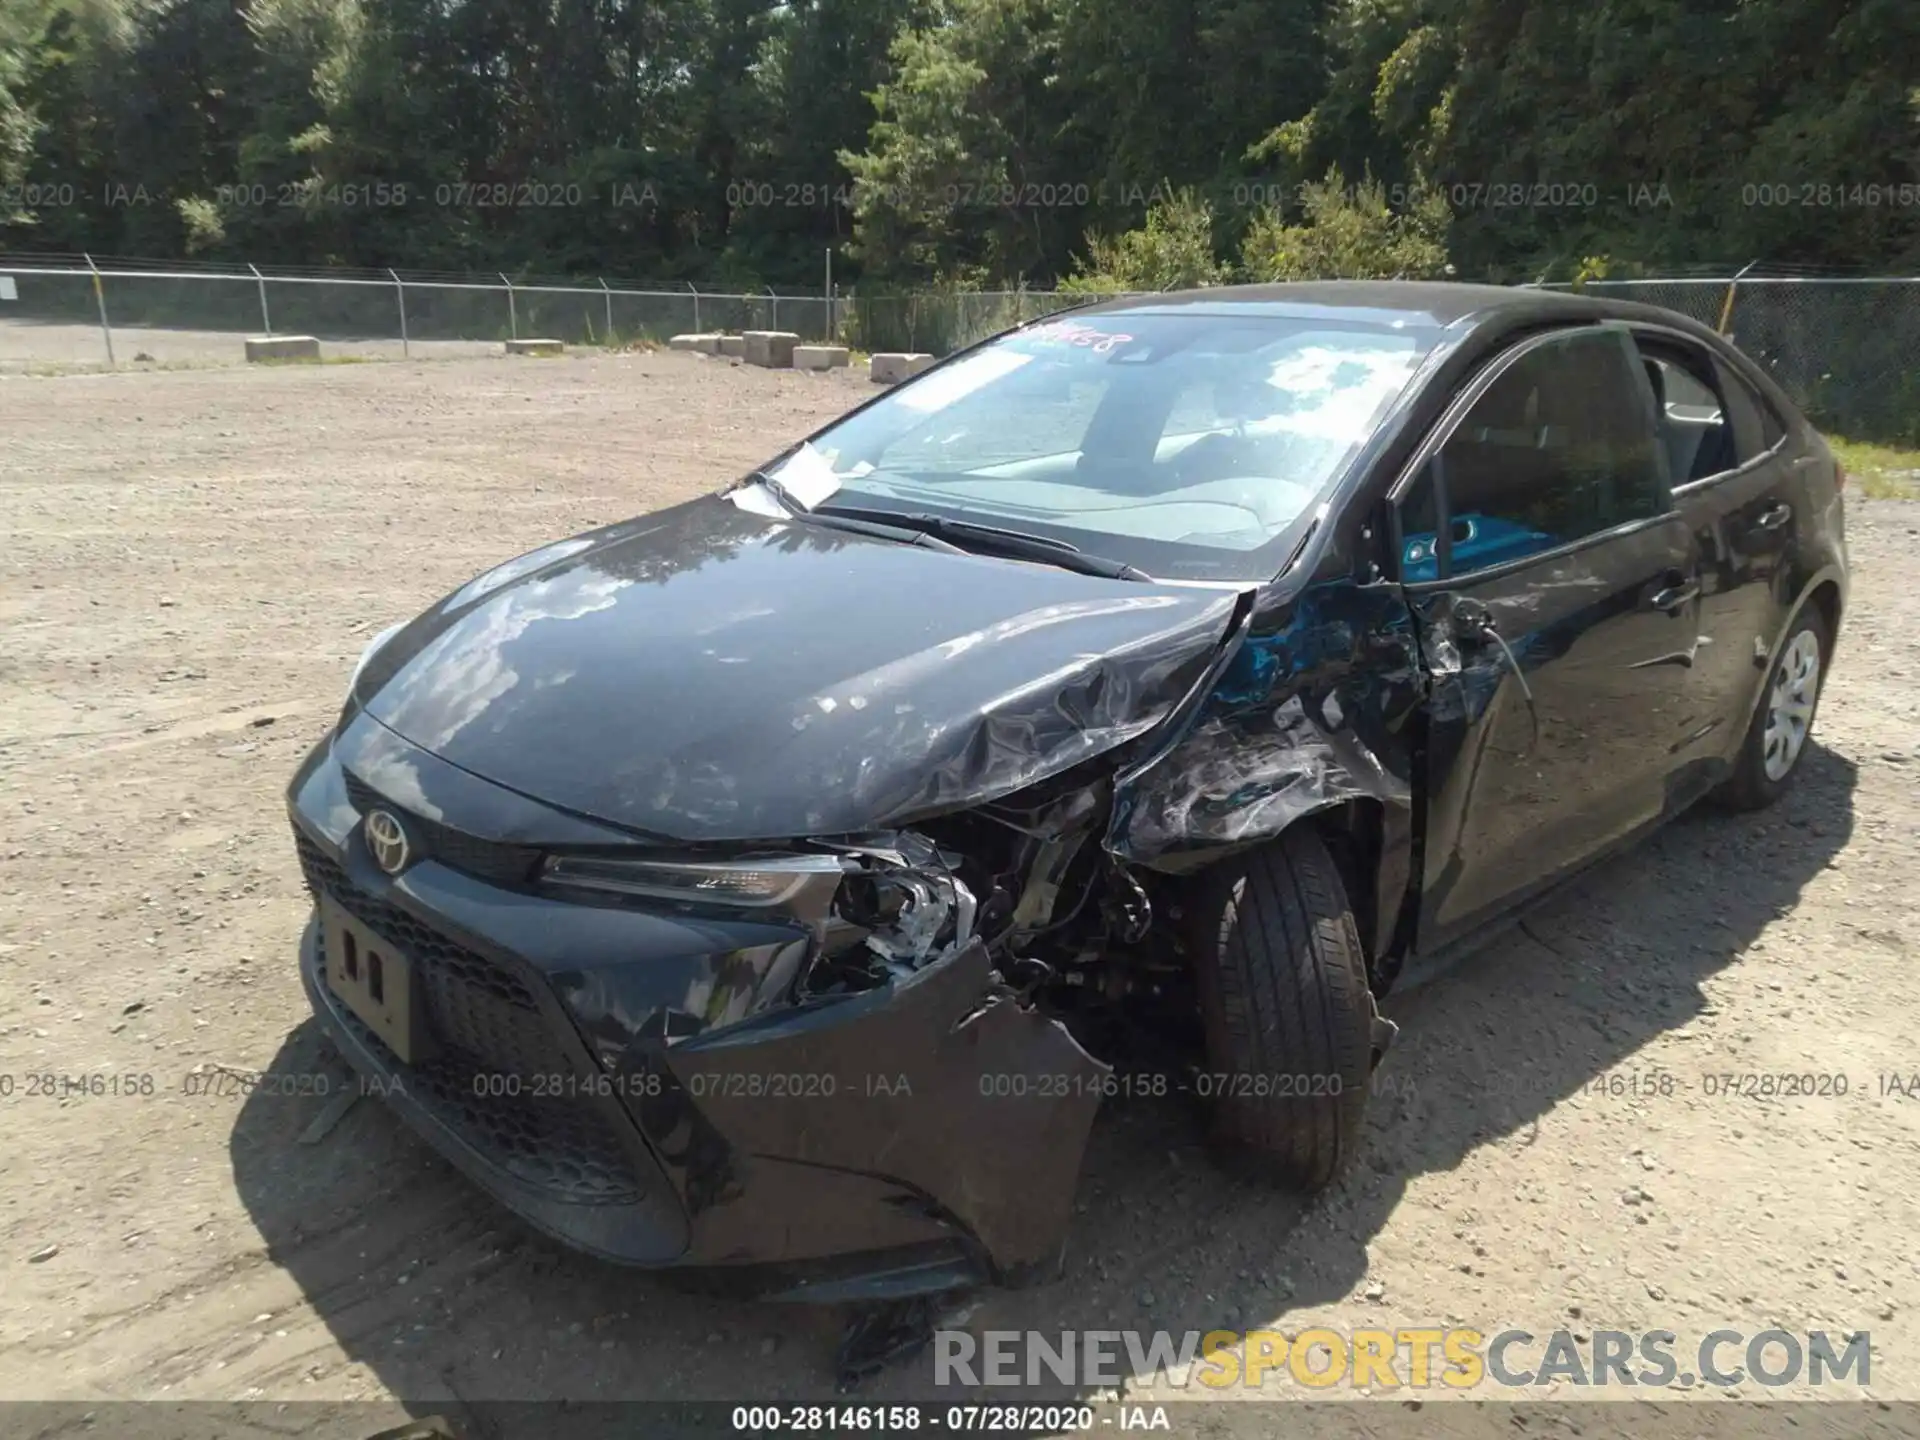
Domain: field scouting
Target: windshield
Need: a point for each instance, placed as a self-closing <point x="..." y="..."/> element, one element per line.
<point x="1186" y="444"/>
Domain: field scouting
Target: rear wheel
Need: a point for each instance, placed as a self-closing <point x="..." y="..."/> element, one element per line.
<point x="1783" y="724"/>
<point x="1292" y="1032"/>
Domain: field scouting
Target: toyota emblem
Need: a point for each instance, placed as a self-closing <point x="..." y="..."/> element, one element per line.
<point x="387" y="840"/>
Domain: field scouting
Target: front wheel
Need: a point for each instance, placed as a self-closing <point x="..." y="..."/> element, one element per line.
<point x="1783" y="723"/>
<point x="1292" y="1032"/>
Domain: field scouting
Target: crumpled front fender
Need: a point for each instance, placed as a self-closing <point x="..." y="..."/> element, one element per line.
<point x="1311" y="708"/>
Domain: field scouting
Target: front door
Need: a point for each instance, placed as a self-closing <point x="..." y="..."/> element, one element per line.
<point x="1556" y="592"/>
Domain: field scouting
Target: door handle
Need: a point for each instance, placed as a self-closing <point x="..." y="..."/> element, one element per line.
<point x="1774" y="518"/>
<point x="1677" y="592"/>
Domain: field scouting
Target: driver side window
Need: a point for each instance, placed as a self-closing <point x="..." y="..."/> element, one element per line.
<point x="1559" y="447"/>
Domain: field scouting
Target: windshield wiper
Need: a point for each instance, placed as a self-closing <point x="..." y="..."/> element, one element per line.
<point x="903" y="534"/>
<point x="1017" y="544"/>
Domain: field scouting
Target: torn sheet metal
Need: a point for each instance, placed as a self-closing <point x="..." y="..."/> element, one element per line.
<point x="1311" y="712"/>
<point x="942" y="1081"/>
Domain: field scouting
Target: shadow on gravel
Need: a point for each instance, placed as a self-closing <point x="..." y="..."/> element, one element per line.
<point x="448" y="1301"/>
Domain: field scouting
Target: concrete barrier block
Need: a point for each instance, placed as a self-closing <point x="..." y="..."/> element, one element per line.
<point x="771" y="348"/>
<point x="891" y="369"/>
<point x="535" y="347"/>
<point x="819" y="357"/>
<point x="733" y="345"/>
<point x="282" y="347"/>
<point x="701" y="344"/>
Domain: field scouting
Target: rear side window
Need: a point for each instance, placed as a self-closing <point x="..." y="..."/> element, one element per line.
<point x="1757" y="425"/>
<point x="1561" y="446"/>
<point x="1694" y="425"/>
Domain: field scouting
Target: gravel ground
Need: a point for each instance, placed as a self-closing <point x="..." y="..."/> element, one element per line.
<point x="34" y="346"/>
<point x="194" y="558"/>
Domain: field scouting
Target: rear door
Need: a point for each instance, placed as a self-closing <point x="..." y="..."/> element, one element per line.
<point x="1556" y="591"/>
<point x="1736" y="490"/>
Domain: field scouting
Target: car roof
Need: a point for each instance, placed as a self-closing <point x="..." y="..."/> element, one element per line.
<point x="1436" y="302"/>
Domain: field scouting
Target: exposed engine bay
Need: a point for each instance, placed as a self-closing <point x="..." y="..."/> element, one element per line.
<point x="1068" y="926"/>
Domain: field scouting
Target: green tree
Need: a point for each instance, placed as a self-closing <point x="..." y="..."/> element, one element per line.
<point x="812" y="87"/>
<point x="1172" y="251"/>
<point x="179" y="116"/>
<point x="70" y="83"/>
<point x="1639" y="129"/>
<point x="273" y="201"/>
<point x="954" y="179"/>
<point x="982" y="140"/>
<point x="1349" y="233"/>
<point x="21" y="24"/>
<point x="1181" y="89"/>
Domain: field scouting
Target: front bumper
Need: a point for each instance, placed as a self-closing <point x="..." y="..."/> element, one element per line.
<point x="561" y="1167"/>
<point x="640" y="1083"/>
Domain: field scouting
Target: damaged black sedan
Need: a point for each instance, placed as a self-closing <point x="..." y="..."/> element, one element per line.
<point x="775" y="884"/>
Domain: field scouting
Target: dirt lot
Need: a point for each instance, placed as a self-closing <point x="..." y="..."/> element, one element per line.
<point x="192" y="561"/>
<point x="42" y="347"/>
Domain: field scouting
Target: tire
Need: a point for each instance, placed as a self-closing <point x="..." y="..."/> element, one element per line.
<point x="1751" y="787"/>
<point x="1291" y="1029"/>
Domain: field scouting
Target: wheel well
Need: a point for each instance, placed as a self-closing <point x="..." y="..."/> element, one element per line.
<point x="1827" y="596"/>
<point x="1353" y="832"/>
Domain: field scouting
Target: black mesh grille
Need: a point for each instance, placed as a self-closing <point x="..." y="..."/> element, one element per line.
<point x="560" y="1145"/>
<point x="488" y="859"/>
<point x="474" y="1005"/>
<point x="362" y="796"/>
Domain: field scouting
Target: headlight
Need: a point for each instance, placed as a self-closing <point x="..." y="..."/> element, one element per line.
<point x="885" y="907"/>
<point x="753" y="883"/>
<point x="373" y="648"/>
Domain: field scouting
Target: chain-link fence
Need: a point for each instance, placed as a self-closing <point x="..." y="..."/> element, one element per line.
<point x="60" y="315"/>
<point x="1846" y="350"/>
<point x="56" y="313"/>
<point x="938" y="322"/>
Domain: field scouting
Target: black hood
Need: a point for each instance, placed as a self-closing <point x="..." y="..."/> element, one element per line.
<point x="704" y="674"/>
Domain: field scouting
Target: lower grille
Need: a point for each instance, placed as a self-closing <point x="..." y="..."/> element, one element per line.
<point x="477" y="1007"/>
<point x="560" y="1146"/>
